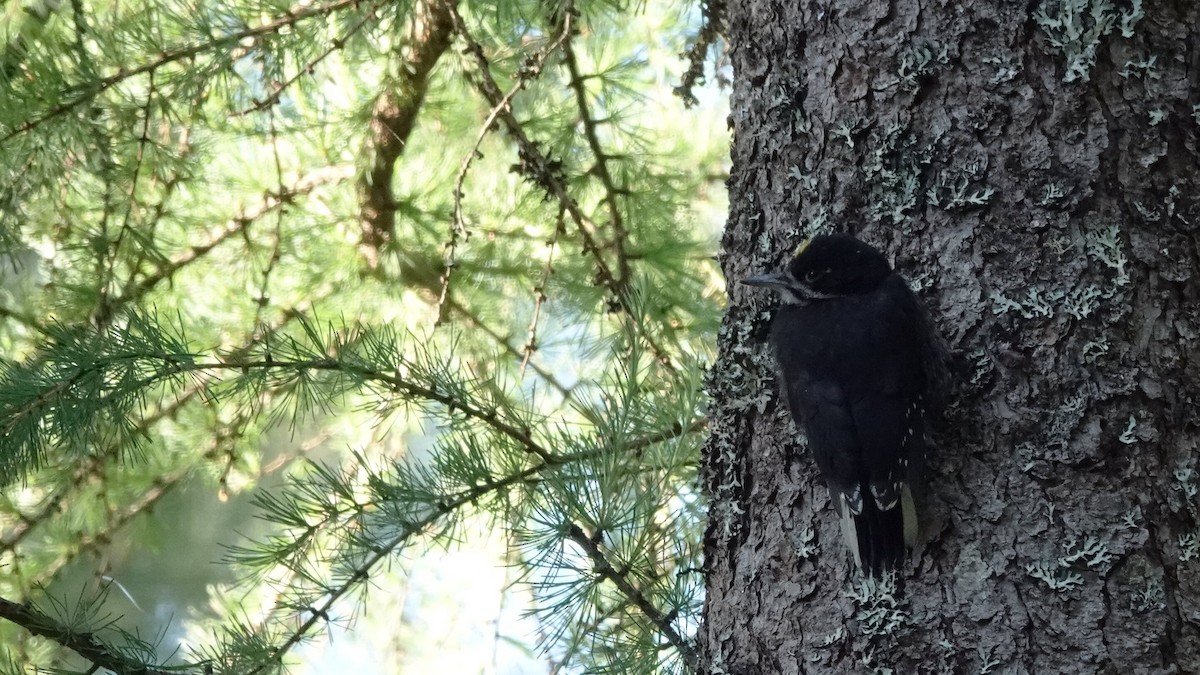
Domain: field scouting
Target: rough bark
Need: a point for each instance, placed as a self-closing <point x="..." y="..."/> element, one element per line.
<point x="393" y="118"/>
<point x="1047" y="209"/>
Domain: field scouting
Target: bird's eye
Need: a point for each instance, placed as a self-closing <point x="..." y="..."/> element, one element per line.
<point x="812" y="275"/>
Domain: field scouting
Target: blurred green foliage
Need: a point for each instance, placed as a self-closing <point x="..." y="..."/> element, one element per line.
<point x="195" y="297"/>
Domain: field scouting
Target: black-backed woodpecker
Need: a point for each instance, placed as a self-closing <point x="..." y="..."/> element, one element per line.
<point x="859" y="361"/>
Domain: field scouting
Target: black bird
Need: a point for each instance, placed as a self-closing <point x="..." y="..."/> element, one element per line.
<point x="861" y="365"/>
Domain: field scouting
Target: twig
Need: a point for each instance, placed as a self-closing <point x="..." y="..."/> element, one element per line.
<point x="606" y="571"/>
<point x="611" y="191"/>
<point x="170" y="188"/>
<point x="712" y="25"/>
<point x="393" y="381"/>
<point x="117" y="518"/>
<point x="501" y="340"/>
<point x="264" y="291"/>
<point x="236" y="225"/>
<point x="531" y="70"/>
<point x="85" y="472"/>
<point x="83" y="643"/>
<point x="169" y="56"/>
<point x="539" y="296"/>
<point x="104" y="306"/>
<point x="361" y="573"/>
<point x="311" y="66"/>
<point x="546" y="173"/>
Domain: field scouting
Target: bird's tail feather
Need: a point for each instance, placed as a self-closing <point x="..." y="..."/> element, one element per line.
<point x="879" y="539"/>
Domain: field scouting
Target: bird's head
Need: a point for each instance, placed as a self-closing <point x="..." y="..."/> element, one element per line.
<point x="827" y="266"/>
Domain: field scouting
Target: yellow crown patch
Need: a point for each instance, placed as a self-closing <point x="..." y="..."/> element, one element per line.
<point x="800" y="249"/>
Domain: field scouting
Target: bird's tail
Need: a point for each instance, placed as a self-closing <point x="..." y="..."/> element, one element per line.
<point x="879" y="538"/>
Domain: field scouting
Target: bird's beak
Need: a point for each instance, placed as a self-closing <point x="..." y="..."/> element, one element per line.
<point x="775" y="280"/>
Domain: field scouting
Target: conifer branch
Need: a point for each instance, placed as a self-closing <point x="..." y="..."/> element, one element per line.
<point x="236" y="226"/>
<point x="394" y="382"/>
<point x="605" y="570"/>
<point x="529" y="71"/>
<point x="361" y="572"/>
<point x="546" y="173"/>
<point x="170" y="366"/>
<point x="173" y="55"/>
<point x="474" y="320"/>
<point x="108" y="259"/>
<point x="309" y="68"/>
<point x="85" y="398"/>
<point x="91" y="468"/>
<point x="539" y="296"/>
<point x="23" y="29"/>
<point x="712" y="26"/>
<point x="84" y="643"/>
<point x="262" y="301"/>
<point x="444" y="507"/>
<point x="90" y="541"/>
<point x="612" y="192"/>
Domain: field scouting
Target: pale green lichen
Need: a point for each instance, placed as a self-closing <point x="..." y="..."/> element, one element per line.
<point x="959" y="188"/>
<point x="892" y="168"/>
<point x="847" y="128"/>
<point x="1185" y="481"/>
<point x="1035" y="304"/>
<point x="1132" y="520"/>
<point x="833" y="638"/>
<point x="1076" y="28"/>
<point x="806" y="546"/>
<point x="1103" y="244"/>
<point x="1028" y="452"/>
<point x="1129" y="19"/>
<point x="801" y="123"/>
<point x="878" y="609"/>
<point x="1094" y="349"/>
<point x="746" y="382"/>
<point x="921" y="281"/>
<point x="1058" y="579"/>
<point x="807" y="181"/>
<point x="1128" y="437"/>
<point x="920" y="60"/>
<point x="765" y="245"/>
<point x="981" y="364"/>
<point x="1059" y="245"/>
<point x="1145" y="68"/>
<point x="1079" y="302"/>
<point x="1062" y="575"/>
<point x="779" y="97"/>
<point x="1150" y="213"/>
<point x="1007" y="68"/>
<point x="988" y="660"/>
<point x="1052" y="193"/>
<point x="1148" y="597"/>
<point x="821" y="222"/>
<point x="1082" y="302"/>
<point x="1091" y="552"/>
<point x="1189" y="546"/>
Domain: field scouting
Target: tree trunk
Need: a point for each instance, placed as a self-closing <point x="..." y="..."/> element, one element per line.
<point x="1032" y="169"/>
